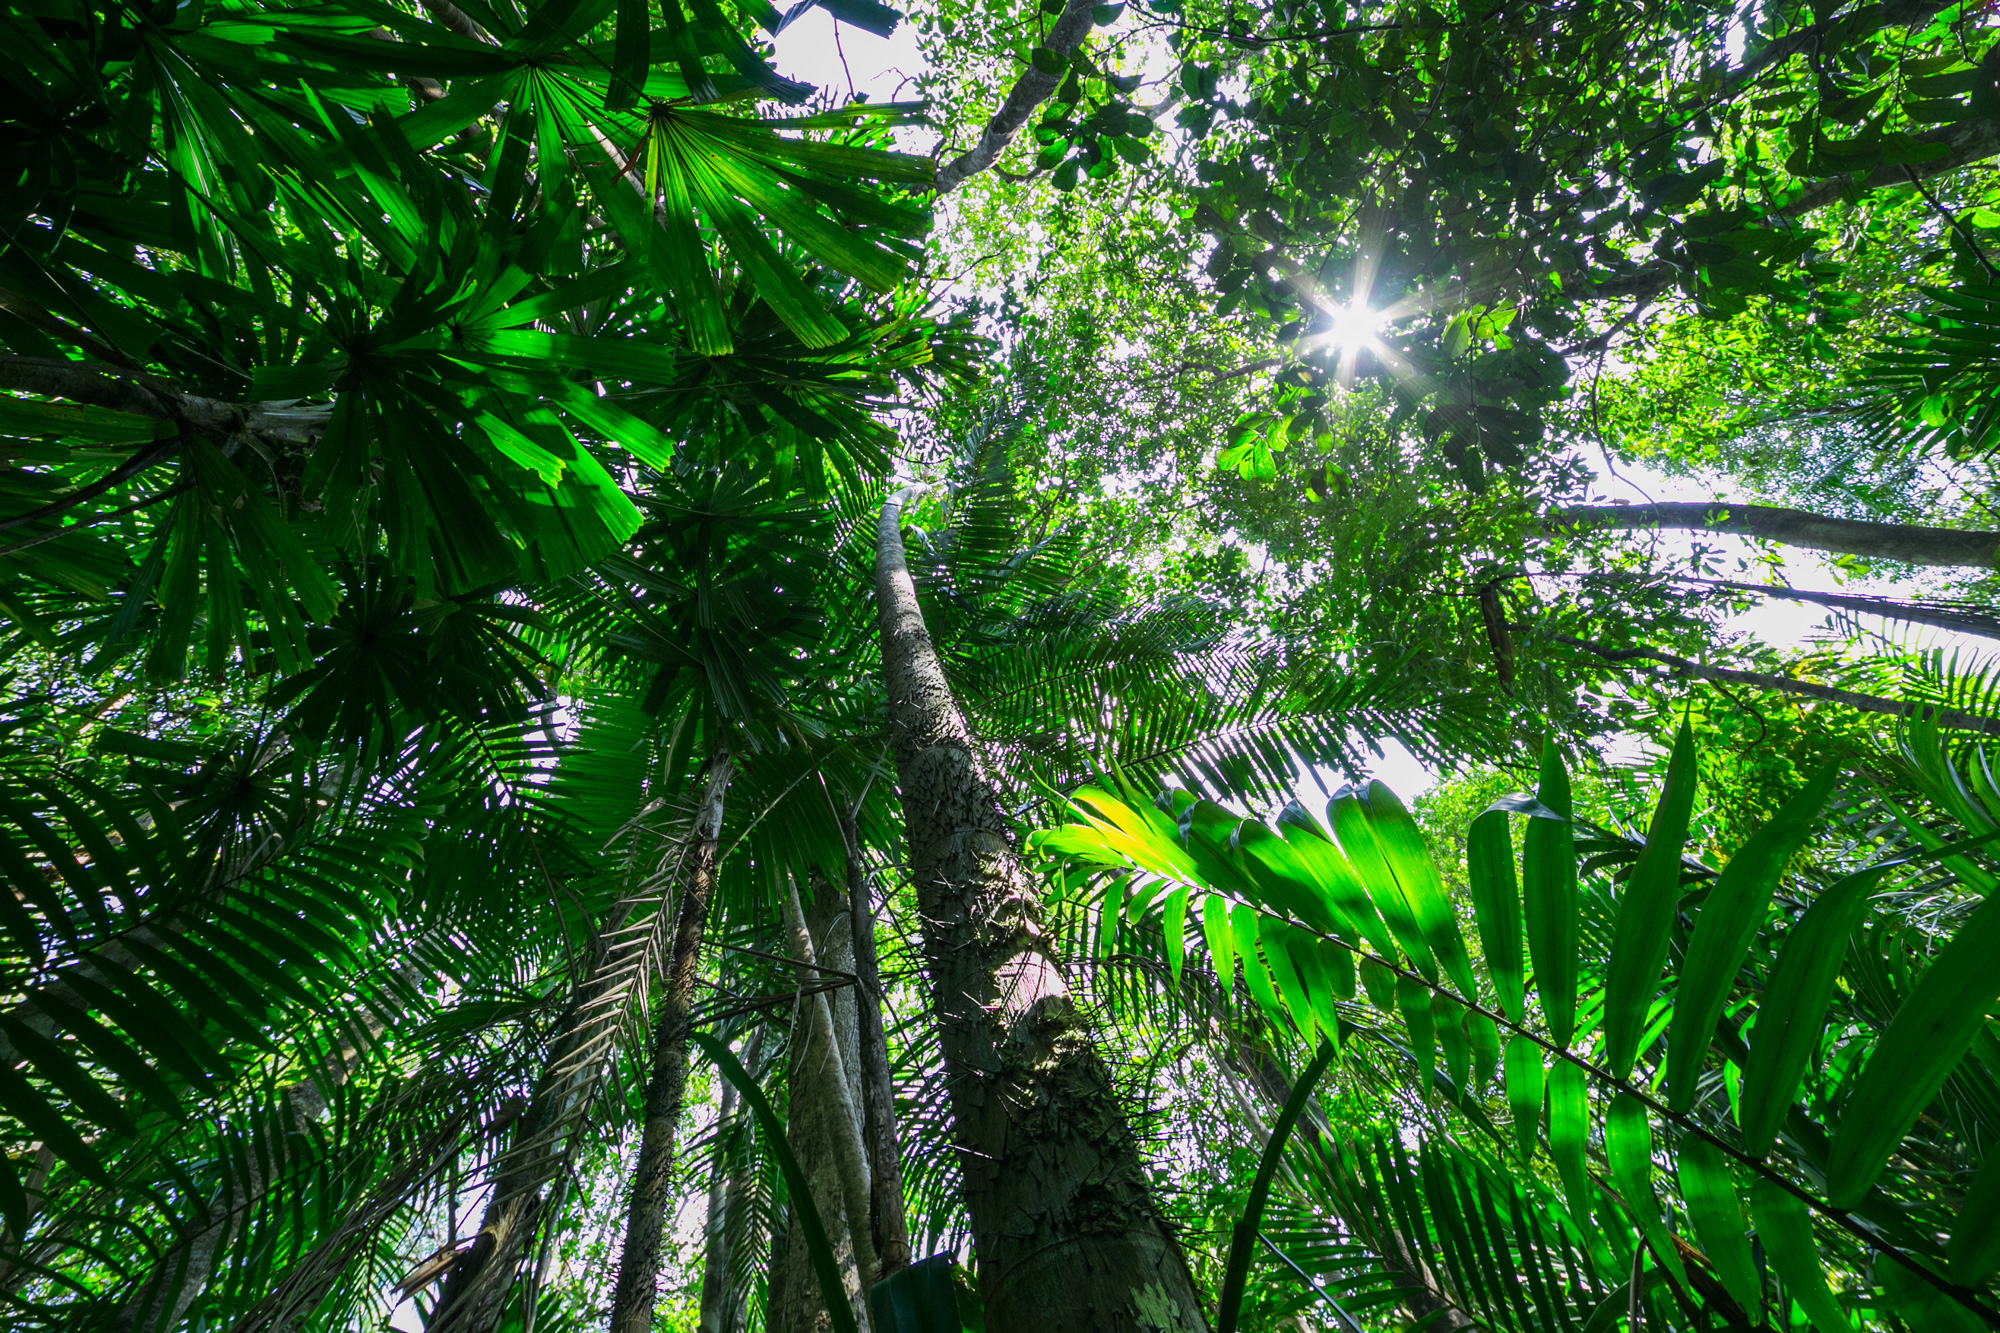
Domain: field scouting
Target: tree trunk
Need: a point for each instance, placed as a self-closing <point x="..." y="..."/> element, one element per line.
<point x="878" y="1086"/>
<point x="1796" y="527"/>
<point x="843" y="1085"/>
<point x="720" y="1299"/>
<point x="637" y="1291"/>
<point x="812" y="1120"/>
<point x="1066" y="1230"/>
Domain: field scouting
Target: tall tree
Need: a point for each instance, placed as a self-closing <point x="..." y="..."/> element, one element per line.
<point x="1068" y="1234"/>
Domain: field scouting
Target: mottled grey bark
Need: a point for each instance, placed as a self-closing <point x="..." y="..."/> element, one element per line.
<point x="796" y="1304"/>
<point x="842" y="1089"/>
<point x="878" y="1085"/>
<point x="1066" y="1230"/>
<point x="1797" y="527"/>
<point x="637" y="1291"/>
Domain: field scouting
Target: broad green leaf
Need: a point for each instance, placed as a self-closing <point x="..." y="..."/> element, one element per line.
<point x="1380" y="983"/>
<point x="1628" y="1150"/>
<point x="1646" y="913"/>
<point x="1413" y="1001"/>
<point x="1569" y="1133"/>
<point x="1450" y="1018"/>
<point x="1922" y="1306"/>
<point x="1273" y="935"/>
<point x="1337" y="962"/>
<point x="1496" y="908"/>
<point x="1349" y="814"/>
<point x="1221" y="940"/>
<point x="1974" y="1253"/>
<point x="1288" y="885"/>
<point x="1402" y="846"/>
<point x="1930" y="1033"/>
<point x="1309" y="960"/>
<point x="1484" y="1035"/>
<point x="1714" y="1211"/>
<point x="1243" y="924"/>
<point x="1524" y="1092"/>
<point x="1793" y="1013"/>
<point x="1548" y="874"/>
<point x="1786" y="1232"/>
<point x="1175" y="925"/>
<point x="1340" y="889"/>
<point x="1723" y="930"/>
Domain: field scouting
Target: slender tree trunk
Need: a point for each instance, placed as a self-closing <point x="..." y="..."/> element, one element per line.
<point x="1067" y="1233"/>
<point x="637" y="1291"/>
<point x="885" y="1160"/>
<point x="719" y="1296"/>
<point x="821" y="1083"/>
<point x="1764" y="680"/>
<point x="849" y="1155"/>
<point x="1797" y="527"/>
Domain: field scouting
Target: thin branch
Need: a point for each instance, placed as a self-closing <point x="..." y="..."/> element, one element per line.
<point x="1033" y="88"/>
<point x="1867" y="703"/>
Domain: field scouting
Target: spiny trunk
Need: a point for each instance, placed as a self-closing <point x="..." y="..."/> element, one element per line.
<point x="844" y="1125"/>
<point x="812" y="1119"/>
<point x="719" y="1297"/>
<point x="637" y="1291"/>
<point x="1763" y="680"/>
<point x="1065" y="1227"/>
<point x="878" y="1087"/>
<point x="1796" y="527"/>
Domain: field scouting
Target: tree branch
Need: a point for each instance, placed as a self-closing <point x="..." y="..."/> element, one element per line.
<point x="1031" y="90"/>
<point x="1866" y="703"/>
<point x="147" y="396"/>
<point x="1797" y="527"/>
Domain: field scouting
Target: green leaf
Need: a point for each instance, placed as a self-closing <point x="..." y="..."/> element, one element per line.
<point x="1221" y="941"/>
<point x="1349" y="814"/>
<point x="1243" y="924"/>
<point x="1048" y="62"/>
<point x="1402" y="846"/>
<point x="1484" y="1035"/>
<point x="1628" y="1150"/>
<point x="1569" y="1132"/>
<point x="1922" y="1306"/>
<point x="1786" y="1232"/>
<point x="1272" y="934"/>
<point x="1176" y="932"/>
<point x="1548" y="874"/>
<point x="1524" y="1091"/>
<point x="825" y="1267"/>
<point x="1413" y="999"/>
<point x="1450" y="1017"/>
<point x="1709" y="1192"/>
<point x="1646" y="913"/>
<point x="1930" y="1033"/>
<point x="1243" y="1240"/>
<point x="1793" y="1012"/>
<point x="1380" y="983"/>
<point x="1723" y="930"/>
<point x="1974" y="1253"/>
<point x="1496" y="908"/>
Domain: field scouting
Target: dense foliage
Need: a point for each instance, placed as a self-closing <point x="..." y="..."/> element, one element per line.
<point x="639" y="694"/>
